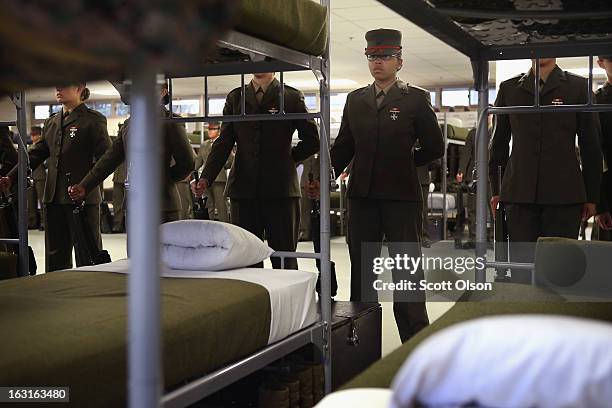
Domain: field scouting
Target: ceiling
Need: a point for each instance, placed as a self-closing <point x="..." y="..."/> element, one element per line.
<point x="428" y="62"/>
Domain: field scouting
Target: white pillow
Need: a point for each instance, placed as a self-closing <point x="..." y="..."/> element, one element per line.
<point x="511" y="361"/>
<point x="210" y="246"/>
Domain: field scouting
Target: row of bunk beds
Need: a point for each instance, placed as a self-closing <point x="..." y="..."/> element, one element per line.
<point x="506" y="367"/>
<point x="157" y="357"/>
<point x="136" y="338"/>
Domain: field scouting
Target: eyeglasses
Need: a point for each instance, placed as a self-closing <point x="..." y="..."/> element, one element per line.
<point x="381" y="57"/>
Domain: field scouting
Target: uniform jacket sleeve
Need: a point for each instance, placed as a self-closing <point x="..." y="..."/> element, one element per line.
<point x="181" y="151"/>
<point x="428" y="132"/>
<point x="499" y="148"/>
<point x="590" y="152"/>
<point x="468" y="152"/>
<point x="38" y="153"/>
<point x="222" y="147"/>
<point x="307" y="133"/>
<point x="106" y="165"/>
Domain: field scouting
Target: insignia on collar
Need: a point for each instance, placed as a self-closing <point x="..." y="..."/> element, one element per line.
<point x="73" y="130"/>
<point x="557" y="101"/>
<point x="394" y="113"/>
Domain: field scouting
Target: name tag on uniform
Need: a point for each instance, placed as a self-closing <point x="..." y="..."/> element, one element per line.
<point x="73" y="131"/>
<point x="557" y="101"/>
<point x="394" y="113"/>
<point x="273" y="110"/>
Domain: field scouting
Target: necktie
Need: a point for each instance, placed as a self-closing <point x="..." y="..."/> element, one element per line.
<point x="542" y="84"/>
<point x="259" y="95"/>
<point x="380" y="97"/>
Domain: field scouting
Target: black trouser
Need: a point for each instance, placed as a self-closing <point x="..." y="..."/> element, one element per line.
<point x="118" y="206"/>
<point x="35" y="196"/>
<point x="401" y="223"/>
<point x="528" y="222"/>
<point x="60" y="235"/>
<point x="275" y="219"/>
<point x="315" y="229"/>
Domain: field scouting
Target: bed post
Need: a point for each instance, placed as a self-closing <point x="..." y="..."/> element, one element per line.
<point x="324" y="161"/>
<point x="481" y="84"/>
<point x="22" y="175"/>
<point x="144" y="360"/>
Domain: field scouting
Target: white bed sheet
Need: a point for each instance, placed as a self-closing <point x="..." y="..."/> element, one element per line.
<point x="292" y="292"/>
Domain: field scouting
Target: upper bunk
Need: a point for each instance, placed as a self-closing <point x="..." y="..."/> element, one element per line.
<point x="270" y="36"/>
<point x="514" y="29"/>
<point x="96" y="40"/>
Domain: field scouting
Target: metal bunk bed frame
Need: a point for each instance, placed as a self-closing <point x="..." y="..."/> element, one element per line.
<point x="19" y="100"/>
<point x="145" y="376"/>
<point x="439" y="23"/>
<point x="144" y="361"/>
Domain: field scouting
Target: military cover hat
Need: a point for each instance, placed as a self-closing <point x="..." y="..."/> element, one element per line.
<point x="383" y="41"/>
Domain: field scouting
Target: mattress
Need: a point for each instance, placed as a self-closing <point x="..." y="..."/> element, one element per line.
<point x="292" y="295"/>
<point x="435" y="201"/>
<point x="298" y="24"/>
<point x="186" y="36"/>
<point x="503" y="300"/>
<point x="68" y="328"/>
<point x="93" y="40"/>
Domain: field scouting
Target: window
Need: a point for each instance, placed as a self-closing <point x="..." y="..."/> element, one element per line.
<point x="432" y="94"/>
<point x="186" y="107"/>
<point x="474" y="96"/>
<point x="215" y="106"/>
<point x="56" y="108"/>
<point x="121" y="109"/>
<point x="311" y="102"/>
<point x="104" y="108"/>
<point x="455" y="97"/>
<point x="337" y="100"/>
<point x="41" y="111"/>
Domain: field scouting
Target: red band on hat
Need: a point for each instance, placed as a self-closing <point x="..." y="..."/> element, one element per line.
<point x="382" y="47"/>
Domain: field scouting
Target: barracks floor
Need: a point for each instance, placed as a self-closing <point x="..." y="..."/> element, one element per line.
<point x="115" y="245"/>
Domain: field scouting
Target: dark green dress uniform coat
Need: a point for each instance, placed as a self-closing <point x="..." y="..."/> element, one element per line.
<point x="70" y="144"/>
<point x="263" y="185"/>
<point x="543" y="185"/>
<point x="544" y="167"/>
<point x="178" y="161"/>
<point x="385" y="163"/>
<point x="384" y="192"/>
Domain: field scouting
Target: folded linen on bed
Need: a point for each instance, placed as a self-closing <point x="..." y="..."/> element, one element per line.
<point x="210" y="246"/>
<point x="292" y="292"/>
<point x="435" y="201"/>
